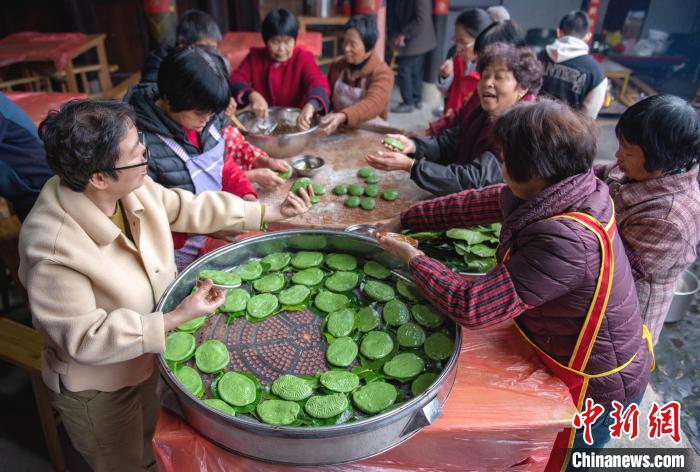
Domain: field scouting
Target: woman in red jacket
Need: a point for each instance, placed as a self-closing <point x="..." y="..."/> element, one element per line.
<point x="281" y="74"/>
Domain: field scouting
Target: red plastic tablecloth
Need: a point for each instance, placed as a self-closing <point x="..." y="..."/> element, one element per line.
<point x="38" y="104"/>
<point x="504" y="411"/>
<point x="235" y="45"/>
<point x="33" y="46"/>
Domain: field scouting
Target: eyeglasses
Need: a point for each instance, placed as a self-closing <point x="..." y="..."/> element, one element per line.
<point x="463" y="44"/>
<point x="146" y="157"/>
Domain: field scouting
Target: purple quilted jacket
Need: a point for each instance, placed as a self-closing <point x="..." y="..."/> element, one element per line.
<point x="557" y="276"/>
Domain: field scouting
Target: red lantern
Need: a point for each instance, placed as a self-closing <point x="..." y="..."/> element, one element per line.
<point x="153" y="7"/>
<point x="440" y="7"/>
<point x="367" y="7"/>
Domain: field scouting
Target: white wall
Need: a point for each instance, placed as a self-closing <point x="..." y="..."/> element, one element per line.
<point x="672" y="16"/>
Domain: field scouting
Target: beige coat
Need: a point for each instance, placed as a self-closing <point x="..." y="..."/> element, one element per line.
<point x="92" y="291"/>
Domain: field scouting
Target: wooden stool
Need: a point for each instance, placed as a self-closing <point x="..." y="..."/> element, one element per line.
<point x="21" y="346"/>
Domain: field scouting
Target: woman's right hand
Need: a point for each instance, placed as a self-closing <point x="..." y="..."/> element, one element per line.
<point x="258" y="104"/>
<point x="446" y="68"/>
<point x="408" y="145"/>
<point x="266" y="178"/>
<point x="391" y="225"/>
<point x="202" y="302"/>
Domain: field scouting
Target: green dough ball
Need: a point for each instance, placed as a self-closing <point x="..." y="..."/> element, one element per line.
<point x="340" y="189"/>
<point x="300" y="183"/>
<point x="278" y="412"/>
<point x="319" y="189"/>
<point x="341" y="262"/>
<point x="294" y="295"/>
<point x="352" y="202"/>
<point x="314" y="200"/>
<point x="368" y="203"/>
<point x="355" y="190"/>
<point x="285" y="174"/>
<point x="372" y="179"/>
<point x="365" y="172"/>
<point x="390" y="195"/>
<point x="341" y="352"/>
<point x="372" y="190"/>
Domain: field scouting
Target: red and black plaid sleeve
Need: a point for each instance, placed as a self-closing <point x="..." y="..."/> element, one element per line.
<point x="459" y="210"/>
<point x="473" y="303"/>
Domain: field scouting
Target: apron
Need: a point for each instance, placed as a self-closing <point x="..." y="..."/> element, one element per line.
<point x="573" y="374"/>
<point x="205" y="172"/>
<point x="345" y="95"/>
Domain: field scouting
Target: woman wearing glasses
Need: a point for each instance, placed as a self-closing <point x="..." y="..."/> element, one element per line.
<point x="96" y="256"/>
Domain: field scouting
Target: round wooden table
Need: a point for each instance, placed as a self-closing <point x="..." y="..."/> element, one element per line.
<point x="344" y="153"/>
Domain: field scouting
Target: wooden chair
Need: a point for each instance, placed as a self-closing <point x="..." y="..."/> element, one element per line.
<point x="36" y="83"/>
<point x="21" y="346"/>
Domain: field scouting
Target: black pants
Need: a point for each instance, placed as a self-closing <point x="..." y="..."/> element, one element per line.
<point x="410" y="78"/>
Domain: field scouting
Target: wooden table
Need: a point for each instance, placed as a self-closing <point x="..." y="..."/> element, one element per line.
<point x="344" y="153"/>
<point x="38" y="104"/>
<point x="17" y="49"/>
<point x="613" y="70"/>
<point x="504" y="412"/>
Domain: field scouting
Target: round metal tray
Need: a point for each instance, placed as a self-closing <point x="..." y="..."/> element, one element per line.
<point x="291" y="343"/>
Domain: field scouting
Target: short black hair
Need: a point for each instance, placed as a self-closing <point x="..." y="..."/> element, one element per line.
<point x="474" y="21"/>
<point x="195" y="25"/>
<point x="545" y="139"/>
<point x="194" y="78"/>
<point x="83" y="138"/>
<point x="575" y="23"/>
<point x="280" y="22"/>
<point x="666" y="127"/>
<point x="366" y="26"/>
<point x="500" y="32"/>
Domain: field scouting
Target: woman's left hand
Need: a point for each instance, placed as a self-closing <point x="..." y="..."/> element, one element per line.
<point x="266" y="162"/>
<point x="385" y="160"/>
<point x="293" y="205"/>
<point x="304" y="119"/>
<point x="398" y="248"/>
<point x="331" y="122"/>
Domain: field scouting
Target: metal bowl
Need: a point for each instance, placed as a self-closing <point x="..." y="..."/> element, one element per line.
<point x="296" y="445"/>
<point x="307" y="165"/>
<point x="279" y="145"/>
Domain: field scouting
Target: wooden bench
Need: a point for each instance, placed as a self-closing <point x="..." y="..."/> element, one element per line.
<point x="21" y="345"/>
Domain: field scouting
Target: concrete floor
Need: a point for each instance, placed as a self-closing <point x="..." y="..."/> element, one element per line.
<point x="21" y="441"/>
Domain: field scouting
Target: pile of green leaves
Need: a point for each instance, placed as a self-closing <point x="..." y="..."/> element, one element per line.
<point x="471" y="250"/>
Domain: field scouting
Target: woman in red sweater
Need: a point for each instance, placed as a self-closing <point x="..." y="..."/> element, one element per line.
<point x="280" y="74"/>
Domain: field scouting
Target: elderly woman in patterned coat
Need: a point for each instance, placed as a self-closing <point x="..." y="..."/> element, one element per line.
<point x="561" y="268"/>
<point x="654" y="185"/>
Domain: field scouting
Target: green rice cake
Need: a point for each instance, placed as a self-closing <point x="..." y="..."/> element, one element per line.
<point x="319" y="189"/>
<point x="277" y="260"/>
<point x="211" y="356"/>
<point x="294" y="295"/>
<point x="376" y="270"/>
<point x="326" y="406"/>
<point x="390" y="195"/>
<point x="290" y="387"/>
<point x="368" y="203"/>
<point x="422" y="383"/>
<point x="278" y="412"/>
<point x="251" y="270"/>
<point x="367" y="319"/>
<point x="343" y="262"/>
<point x="372" y="190"/>
<point x="236" y="389"/>
<point x="306" y="259"/>
<point x="190" y="380"/>
<point x="372" y="179"/>
<point x="365" y="172"/>
<point x="236" y="300"/>
<point x="404" y="366"/>
<point x="339" y="380"/>
<point x="312" y="276"/>
<point x="342" y="281"/>
<point x="352" y="202"/>
<point x="302" y="182"/>
<point x="438" y="346"/>
<point x="355" y="190"/>
<point x="410" y="335"/>
<point x="179" y="346"/>
<point x="262" y="305"/>
<point x="220" y="405"/>
<point x="330" y="301"/>
<point x="340" y="189"/>
<point x="375" y="397"/>
<point x="378" y="291"/>
<point x="193" y="325"/>
<point x="376" y="344"/>
<point x="427" y="316"/>
<point x="396" y="313"/>
<point x="270" y="283"/>
<point x="408" y="290"/>
<point x="341" y="352"/>
<point x="220" y="277"/>
<point x="340" y="323"/>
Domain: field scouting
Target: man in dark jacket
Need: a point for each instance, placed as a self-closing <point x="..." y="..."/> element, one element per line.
<point x="570" y="72"/>
<point x="413" y="35"/>
<point x="23" y="166"/>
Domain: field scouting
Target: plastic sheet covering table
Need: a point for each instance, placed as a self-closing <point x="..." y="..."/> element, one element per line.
<point x="35" y="46"/>
<point x="38" y="104"/>
<point x="504" y="412"/>
<point x="235" y="45"/>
